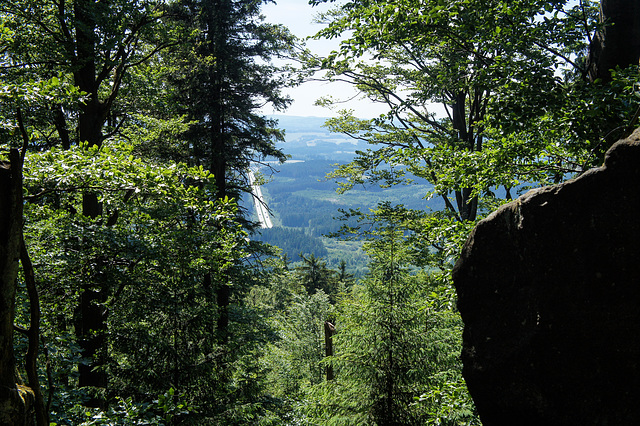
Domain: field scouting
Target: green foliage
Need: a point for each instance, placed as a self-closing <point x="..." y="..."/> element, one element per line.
<point x="153" y="108"/>
<point x="480" y="95"/>
<point x="484" y="98"/>
<point x="397" y="339"/>
<point x="295" y="359"/>
<point x="101" y="107"/>
<point x="571" y="134"/>
<point x="155" y="257"/>
<point x="315" y="276"/>
<point x="166" y="410"/>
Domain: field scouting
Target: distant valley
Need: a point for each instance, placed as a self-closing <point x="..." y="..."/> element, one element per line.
<point x="304" y="203"/>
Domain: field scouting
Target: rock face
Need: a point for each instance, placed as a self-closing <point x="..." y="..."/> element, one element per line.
<point x="549" y="292"/>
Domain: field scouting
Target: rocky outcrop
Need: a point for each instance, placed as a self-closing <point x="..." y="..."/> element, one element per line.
<point x="549" y="292"/>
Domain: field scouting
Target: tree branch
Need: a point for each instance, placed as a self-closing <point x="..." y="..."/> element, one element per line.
<point x="23" y="132"/>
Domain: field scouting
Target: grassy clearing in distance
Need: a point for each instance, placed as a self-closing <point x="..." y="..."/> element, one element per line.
<point x="411" y="196"/>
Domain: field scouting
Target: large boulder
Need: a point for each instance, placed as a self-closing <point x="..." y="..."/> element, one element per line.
<point x="549" y="292"/>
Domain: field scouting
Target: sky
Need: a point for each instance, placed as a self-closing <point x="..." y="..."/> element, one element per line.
<point x="298" y="15"/>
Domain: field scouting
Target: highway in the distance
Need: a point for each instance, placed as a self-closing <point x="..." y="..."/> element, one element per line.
<point x="258" y="201"/>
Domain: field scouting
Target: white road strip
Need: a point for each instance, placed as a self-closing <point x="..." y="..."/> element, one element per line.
<point x="258" y="201"/>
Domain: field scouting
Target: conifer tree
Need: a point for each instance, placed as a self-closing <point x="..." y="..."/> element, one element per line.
<point x="222" y="81"/>
<point x="315" y="275"/>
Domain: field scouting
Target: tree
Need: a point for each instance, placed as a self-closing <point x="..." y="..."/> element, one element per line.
<point x="223" y="79"/>
<point x="169" y="237"/>
<point x="468" y="57"/>
<point x="514" y="112"/>
<point x="345" y="279"/>
<point x="85" y="43"/>
<point x="93" y="47"/>
<point x="315" y="275"/>
<point x="15" y="403"/>
<point x="20" y="403"/>
<point x="395" y="337"/>
<point x="295" y="359"/>
<point x="107" y="227"/>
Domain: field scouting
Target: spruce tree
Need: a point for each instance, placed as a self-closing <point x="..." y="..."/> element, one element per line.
<point x="223" y="78"/>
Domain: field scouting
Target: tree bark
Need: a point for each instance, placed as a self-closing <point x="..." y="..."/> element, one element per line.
<point x="223" y="296"/>
<point x="618" y="42"/>
<point x="217" y="15"/>
<point x="16" y="402"/>
<point x="329" y="330"/>
<point x="60" y="123"/>
<point x="91" y="324"/>
<point x="467" y="205"/>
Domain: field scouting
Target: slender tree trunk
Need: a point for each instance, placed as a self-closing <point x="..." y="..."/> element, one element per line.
<point x="223" y="296"/>
<point x="329" y="330"/>
<point x="218" y="161"/>
<point x="467" y="205"/>
<point x="33" y="334"/>
<point x="61" y="126"/>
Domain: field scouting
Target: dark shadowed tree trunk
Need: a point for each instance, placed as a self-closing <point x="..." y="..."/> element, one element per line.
<point x="91" y="325"/>
<point x="15" y="403"/>
<point x="466" y="203"/>
<point x="218" y="17"/>
<point x="618" y="42"/>
<point x="33" y="336"/>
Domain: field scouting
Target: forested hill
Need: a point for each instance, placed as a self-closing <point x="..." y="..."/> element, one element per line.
<point x="303" y="201"/>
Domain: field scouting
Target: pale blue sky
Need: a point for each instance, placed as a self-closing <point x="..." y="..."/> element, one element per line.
<point x="297" y="15"/>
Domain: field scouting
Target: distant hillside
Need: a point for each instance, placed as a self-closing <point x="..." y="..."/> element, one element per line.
<point x="306" y="139"/>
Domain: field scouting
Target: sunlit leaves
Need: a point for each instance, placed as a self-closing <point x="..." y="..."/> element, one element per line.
<point x="111" y="170"/>
<point x="160" y="233"/>
<point x="28" y="94"/>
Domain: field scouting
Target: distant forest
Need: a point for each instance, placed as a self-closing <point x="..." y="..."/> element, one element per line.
<point x="293" y="242"/>
<point x="305" y="205"/>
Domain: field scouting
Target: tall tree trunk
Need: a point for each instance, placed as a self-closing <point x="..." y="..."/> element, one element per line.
<point x="91" y="324"/>
<point x="217" y="15"/>
<point x="33" y="334"/>
<point x="60" y="122"/>
<point x="16" y="403"/>
<point x="618" y="43"/>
